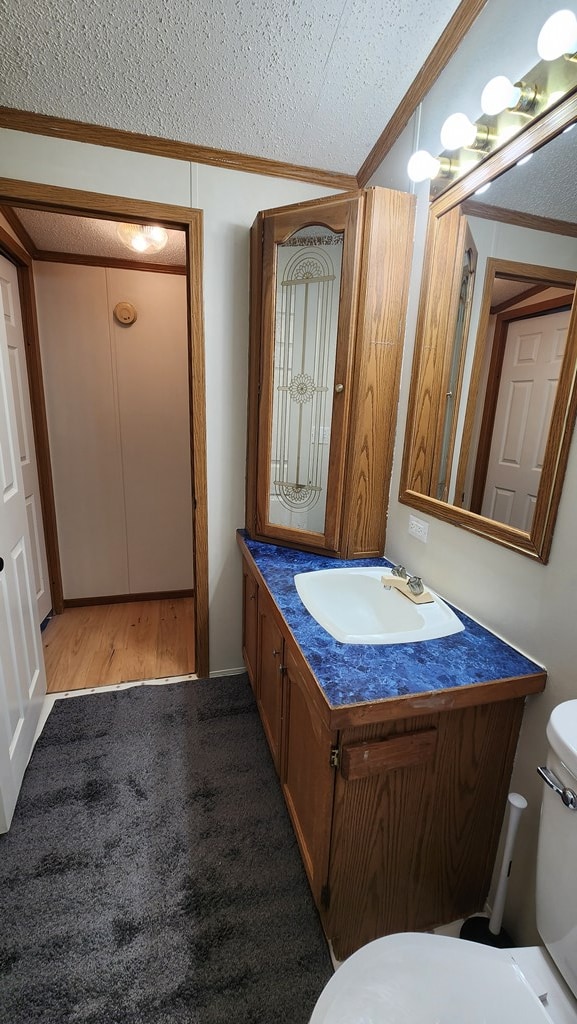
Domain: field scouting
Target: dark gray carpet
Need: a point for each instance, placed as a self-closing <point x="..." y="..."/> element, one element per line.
<point x="151" y="873"/>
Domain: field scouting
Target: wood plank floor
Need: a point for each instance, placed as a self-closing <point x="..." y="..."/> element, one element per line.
<point x="96" y="645"/>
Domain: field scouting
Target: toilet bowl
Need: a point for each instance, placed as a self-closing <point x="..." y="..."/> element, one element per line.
<point x="416" y="978"/>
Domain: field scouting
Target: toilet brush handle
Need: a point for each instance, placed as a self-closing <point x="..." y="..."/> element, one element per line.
<point x="517" y="805"/>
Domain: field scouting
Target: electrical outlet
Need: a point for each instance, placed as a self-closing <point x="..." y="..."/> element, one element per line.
<point x="418" y="529"/>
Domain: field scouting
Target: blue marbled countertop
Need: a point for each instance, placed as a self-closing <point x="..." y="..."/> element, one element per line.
<point x="360" y="673"/>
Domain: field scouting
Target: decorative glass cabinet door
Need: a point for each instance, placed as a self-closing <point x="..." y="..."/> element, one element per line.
<point x="309" y="284"/>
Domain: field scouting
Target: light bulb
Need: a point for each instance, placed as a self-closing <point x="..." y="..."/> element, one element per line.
<point x="158" y="234"/>
<point x="422" y="165"/>
<point x="458" y="131"/>
<point x="498" y="95"/>
<point x="139" y="243"/>
<point x="558" y="36"/>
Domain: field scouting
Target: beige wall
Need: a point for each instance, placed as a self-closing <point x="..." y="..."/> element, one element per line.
<point x="118" y="424"/>
<point x="230" y="201"/>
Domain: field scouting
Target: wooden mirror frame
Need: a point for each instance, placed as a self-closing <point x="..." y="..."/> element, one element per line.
<point x="434" y="334"/>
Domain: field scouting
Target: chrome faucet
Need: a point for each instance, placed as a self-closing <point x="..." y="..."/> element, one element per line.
<point x="414" y="583"/>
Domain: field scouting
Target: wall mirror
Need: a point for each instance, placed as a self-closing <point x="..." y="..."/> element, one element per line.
<point x="493" y="398"/>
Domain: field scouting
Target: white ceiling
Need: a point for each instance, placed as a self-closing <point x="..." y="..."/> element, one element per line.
<point x="310" y="82"/>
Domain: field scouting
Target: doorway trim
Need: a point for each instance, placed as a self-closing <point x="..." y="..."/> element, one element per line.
<point x="55" y="199"/>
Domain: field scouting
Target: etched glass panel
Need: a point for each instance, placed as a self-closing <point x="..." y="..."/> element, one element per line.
<point x="307" y="305"/>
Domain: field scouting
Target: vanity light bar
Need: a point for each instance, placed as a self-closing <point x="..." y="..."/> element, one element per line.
<point x="526" y="98"/>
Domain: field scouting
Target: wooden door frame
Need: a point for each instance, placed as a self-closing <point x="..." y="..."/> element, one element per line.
<point x="55" y="199"/>
<point x="500" y="334"/>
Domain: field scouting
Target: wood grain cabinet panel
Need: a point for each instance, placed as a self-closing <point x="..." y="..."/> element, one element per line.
<point x="308" y="778"/>
<point x="414" y="846"/>
<point x="270" y="676"/>
<point x="250" y="625"/>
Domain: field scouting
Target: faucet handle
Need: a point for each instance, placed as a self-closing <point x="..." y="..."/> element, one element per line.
<point x="400" y="571"/>
<point x="415" y="585"/>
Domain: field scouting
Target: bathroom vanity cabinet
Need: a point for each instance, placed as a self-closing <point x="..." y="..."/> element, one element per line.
<point x="329" y="285"/>
<point x="397" y="803"/>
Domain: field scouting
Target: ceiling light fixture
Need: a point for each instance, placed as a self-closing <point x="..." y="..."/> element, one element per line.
<point x="558" y="37"/>
<point x="143" y="238"/>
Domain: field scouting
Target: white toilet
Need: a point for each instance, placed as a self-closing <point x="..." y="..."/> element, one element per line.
<point x="415" y="978"/>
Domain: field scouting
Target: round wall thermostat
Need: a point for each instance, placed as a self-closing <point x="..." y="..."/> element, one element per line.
<point x="125" y="313"/>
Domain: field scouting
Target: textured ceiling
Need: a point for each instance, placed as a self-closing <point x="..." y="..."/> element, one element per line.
<point x="546" y="185"/>
<point x="58" y="232"/>
<point x="310" y="82"/>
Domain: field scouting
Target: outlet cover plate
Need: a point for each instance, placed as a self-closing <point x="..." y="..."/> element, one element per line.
<point x="418" y="529"/>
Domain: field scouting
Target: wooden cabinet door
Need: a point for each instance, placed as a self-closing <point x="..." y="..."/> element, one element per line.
<point x="307" y="778"/>
<point x="250" y="624"/>
<point x="270" y="677"/>
<point x="418" y="809"/>
<point x="310" y="273"/>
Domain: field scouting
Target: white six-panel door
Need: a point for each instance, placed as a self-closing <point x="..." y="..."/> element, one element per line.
<point x="531" y="366"/>
<point x="22" y="673"/>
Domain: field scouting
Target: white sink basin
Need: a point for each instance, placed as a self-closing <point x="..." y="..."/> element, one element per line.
<point x="354" y="607"/>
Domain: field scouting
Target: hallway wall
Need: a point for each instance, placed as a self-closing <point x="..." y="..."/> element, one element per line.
<point x="230" y="201"/>
<point x="118" y="426"/>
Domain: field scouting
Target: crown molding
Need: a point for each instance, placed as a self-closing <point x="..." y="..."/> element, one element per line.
<point x="99" y="135"/>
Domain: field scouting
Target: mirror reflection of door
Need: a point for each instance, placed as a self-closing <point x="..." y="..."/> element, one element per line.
<point x="307" y="303"/>
<point x="528" y="343"/>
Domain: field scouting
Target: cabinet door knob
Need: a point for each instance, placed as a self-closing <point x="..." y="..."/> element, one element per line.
<point x="339" y="388"/>
<point x="275" y="652"/>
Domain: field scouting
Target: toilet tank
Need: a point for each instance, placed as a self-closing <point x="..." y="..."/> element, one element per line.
<point x="557" y="848"/>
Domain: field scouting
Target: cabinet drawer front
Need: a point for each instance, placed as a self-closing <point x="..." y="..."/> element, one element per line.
<point x="358" y="760"/>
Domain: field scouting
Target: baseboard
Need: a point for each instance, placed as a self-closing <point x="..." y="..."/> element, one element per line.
<point x="227" y="672"/>
<point x="160" y="595"/>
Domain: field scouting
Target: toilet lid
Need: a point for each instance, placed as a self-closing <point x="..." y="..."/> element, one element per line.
<point x="413" y="978"/>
